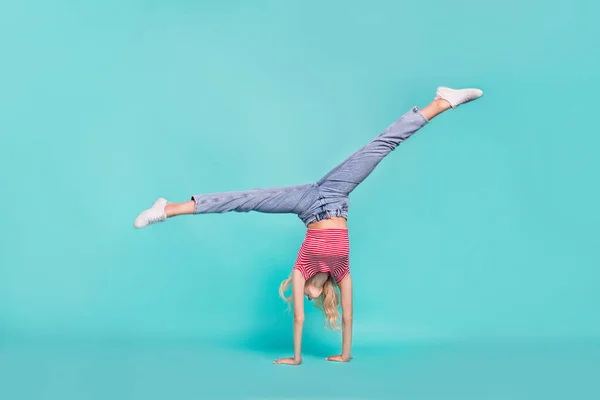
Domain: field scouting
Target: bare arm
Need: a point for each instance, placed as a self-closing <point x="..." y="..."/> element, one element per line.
<point x="298" y="293"/>
<point x="298" y="299"/>
<point x="346" y="293"/>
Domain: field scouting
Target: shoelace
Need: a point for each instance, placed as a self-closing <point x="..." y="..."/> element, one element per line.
<point x="156" y="218"/>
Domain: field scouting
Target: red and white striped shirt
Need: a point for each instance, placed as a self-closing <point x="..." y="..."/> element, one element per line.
<point x="324" y="250"/>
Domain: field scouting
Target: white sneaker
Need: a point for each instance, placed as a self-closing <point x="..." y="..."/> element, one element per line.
<point x="154" y="214"/>
<point x="456" y="97"/>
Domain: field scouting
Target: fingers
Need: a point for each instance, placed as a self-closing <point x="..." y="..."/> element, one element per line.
<point x="338" y="358"/>
<point x="285" y="361"/>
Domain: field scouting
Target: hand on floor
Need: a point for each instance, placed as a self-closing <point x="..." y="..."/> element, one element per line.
<point x="339" y="358"/>
<point x="289" y="361"/>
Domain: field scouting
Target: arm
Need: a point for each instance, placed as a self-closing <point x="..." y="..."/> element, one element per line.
<point x="298" y="293"/>
<point x="346" y="293"/>
<point x="298" y="300"/>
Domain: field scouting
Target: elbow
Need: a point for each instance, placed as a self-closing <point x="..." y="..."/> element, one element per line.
<point x="347" y="319"/>
<point x="299" y="319"/>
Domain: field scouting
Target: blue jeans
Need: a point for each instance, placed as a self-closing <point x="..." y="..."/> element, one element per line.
<point x="326" y="198"/>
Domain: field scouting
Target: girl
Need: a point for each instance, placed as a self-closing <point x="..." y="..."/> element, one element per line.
<point x="322" y="265"/>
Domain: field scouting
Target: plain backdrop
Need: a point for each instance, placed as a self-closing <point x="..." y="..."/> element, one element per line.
<point x="482" y="225"/>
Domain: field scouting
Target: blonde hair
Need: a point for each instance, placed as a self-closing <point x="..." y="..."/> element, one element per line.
<point x="328" y="301"/>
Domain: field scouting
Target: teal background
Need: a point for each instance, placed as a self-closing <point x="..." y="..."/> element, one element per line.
<point x="474" y="245"/>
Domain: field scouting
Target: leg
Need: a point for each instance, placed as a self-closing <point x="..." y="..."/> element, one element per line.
<point x="435" y="108"/>
<point x="344" y="178"/>
<point x="174" y="209"/>
<point x="274" y="200"/>
<point x="271" y="201"/>
<point x="283" y="200"/>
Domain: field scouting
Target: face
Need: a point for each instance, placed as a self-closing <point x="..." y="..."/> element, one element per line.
<point x="312" y="290"/>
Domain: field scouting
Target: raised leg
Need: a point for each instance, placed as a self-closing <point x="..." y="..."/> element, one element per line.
<point x="281" y="200"/>
<point x="346" y="176"/>
<point x="291" y="199"/>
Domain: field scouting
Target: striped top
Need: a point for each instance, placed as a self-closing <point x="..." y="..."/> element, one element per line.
<point x="324" y="250"/>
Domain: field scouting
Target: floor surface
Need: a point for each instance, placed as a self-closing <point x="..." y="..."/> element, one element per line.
<point x="183" y="370"/>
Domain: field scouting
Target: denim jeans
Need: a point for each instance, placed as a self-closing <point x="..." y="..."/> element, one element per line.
<point x="325" y="198"/>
